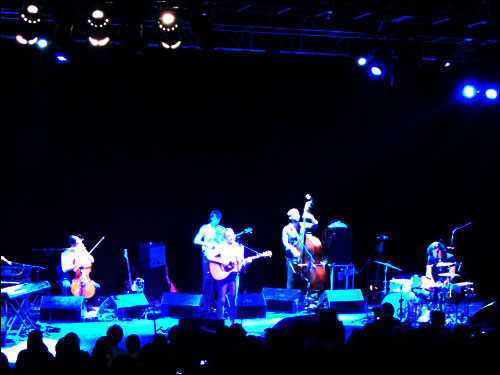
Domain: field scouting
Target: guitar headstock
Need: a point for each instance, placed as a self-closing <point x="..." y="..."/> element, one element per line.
<point x="246" y="231"/>
<point x="267" y="254"/>
<point x="125" y="253"/>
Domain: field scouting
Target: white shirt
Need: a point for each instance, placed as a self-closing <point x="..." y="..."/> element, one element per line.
<point x="208" y="237"/>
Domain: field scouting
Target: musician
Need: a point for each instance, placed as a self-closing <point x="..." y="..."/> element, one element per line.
<point x="75" y="256"/>
<point x="208" y="237"/>
<point x="229" y="251"/>
<point x="436" y="253"/>
<point x="292" y="236"/>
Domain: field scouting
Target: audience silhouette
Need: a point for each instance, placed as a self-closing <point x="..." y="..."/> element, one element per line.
<point x="384" y="346"/>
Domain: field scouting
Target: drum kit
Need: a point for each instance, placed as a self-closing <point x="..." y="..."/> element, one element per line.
<point x="415" y="297"/>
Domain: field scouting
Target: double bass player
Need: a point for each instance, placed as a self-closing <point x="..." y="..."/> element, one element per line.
<point x="293" y="238"/>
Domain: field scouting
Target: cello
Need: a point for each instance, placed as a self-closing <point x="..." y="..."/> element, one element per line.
<point x="82" y="285"/>
<point x="313" y="252"/>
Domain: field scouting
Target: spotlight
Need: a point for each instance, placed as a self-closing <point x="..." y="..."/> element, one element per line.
<point x="469" y="91"/>
<point x="447" y="64"/>
<point x="62" y="58"/>
<point x="22" y="40"/>
<point x="362" y="61"/>
<point x="169" y="31"/>
<point x="167" y="19"/>
<point x="376" y="70"/>
<point x="491" y="94"/>
<point x="42" y="43"/>
<point x="30" y="15"/>
<point x="98" y="28"/>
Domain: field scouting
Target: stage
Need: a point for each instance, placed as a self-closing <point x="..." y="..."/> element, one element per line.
<point x="91" y="327"/>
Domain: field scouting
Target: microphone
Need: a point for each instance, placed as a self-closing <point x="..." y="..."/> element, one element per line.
<point x="6" y="261"/>
<point x="382" y="237"/>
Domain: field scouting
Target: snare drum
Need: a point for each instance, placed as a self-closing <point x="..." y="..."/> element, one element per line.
<point x="407" y="306"/>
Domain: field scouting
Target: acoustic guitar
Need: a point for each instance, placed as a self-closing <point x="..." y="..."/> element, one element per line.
<point x="220" y="271"/>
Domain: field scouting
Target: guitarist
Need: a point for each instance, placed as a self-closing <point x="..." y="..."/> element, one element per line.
<point x="228" y="252"/>
<point x="292" y="238"/>
<point x="208" y="237"/>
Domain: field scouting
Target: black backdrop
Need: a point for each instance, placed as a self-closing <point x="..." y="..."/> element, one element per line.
<point x="141" y="148"/>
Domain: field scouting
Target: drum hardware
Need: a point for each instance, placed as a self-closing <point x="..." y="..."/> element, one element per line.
<point x="445" y="264"/>
<point x="448" y="274"/>
<point x="386" y="266"/>
<point x="407" y="306"/>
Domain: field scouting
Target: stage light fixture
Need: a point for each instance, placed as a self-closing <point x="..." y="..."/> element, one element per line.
<point x="447" y="64"/>
<point x="377" y="70"/>
<point x="31" y="14"/>
<point x="469" y="91"/>
<point x="491" y="94"/>
<point x="362" y="61"/>
<point x="27" y="33"/>
<point x="42" y="43"/>
<point x="62" y="58"/>
<point x="167" y="19"/>
<point x="169" y="30"/>
<point x="22" y="40"/>
<point x="98" y="28"/>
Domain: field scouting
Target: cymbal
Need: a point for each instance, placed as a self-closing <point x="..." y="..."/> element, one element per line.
<point x="388" y="265"/>
<point x="448" y="274"/>
<point x="400" y="281"/>
<point x="464" y="283"/>
<point x="445" y="264"/>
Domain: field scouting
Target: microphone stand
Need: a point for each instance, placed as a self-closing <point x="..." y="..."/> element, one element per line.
<point x="454" y="230"/>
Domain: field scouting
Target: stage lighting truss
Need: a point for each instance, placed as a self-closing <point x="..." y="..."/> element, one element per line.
<point x="99" y="28"/>
<point x="169" y="30"/>
<point x="31" y="17"/>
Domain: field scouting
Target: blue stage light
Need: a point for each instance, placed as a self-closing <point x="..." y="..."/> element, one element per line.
<point x="491" y="94"/>
<point x="469" y="91"/>
<point x="376" y="70"/>
<point x="362" y="61"/>
<point x="61" y="58"/>
<point x="42" y="43"/>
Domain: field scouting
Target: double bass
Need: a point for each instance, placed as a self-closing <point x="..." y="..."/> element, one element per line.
<point x="82" y="285"/>
<point x="312" y="253"/>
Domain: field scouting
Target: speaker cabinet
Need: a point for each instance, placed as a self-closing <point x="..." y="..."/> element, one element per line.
<point x="250" y="305"/>
<point x="62" y="308"/>
<point x="124" y="305"/>
<point x="344" y="301"/>
<point x="180" y="305"/>
<point x="339" y="246"/>
<point x="283" y="300"/>
<point x="151" y="255"/>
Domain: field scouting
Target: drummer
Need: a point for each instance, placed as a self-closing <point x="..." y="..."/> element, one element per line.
<point x="440" y="262"/>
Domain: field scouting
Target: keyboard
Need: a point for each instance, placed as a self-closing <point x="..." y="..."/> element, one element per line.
<point x="21" y="290"/>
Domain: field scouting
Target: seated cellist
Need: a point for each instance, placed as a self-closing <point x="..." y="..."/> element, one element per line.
<point x="73" y="259"/>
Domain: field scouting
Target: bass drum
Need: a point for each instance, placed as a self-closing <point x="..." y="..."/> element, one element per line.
<point x="407" y="307"/>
